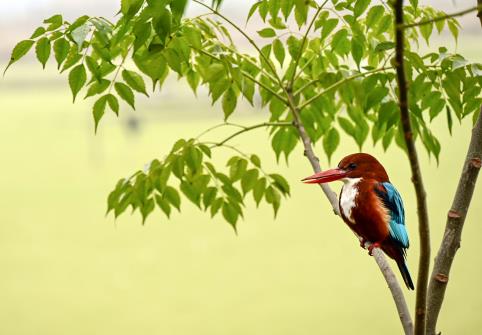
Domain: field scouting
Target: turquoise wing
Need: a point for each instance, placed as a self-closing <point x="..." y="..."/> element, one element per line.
<point x="393" y="202"/>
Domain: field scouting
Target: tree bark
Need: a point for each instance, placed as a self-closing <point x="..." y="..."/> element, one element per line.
<point x="454" y="226"/>
<point x="423" y="222"/>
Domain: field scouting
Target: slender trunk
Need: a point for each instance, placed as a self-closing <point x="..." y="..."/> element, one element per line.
<point x="423" y="222"/>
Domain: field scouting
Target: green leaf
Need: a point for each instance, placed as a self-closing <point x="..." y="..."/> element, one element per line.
<point x="113" y="103"/>
<point x="384" y="46"/>
<point x="356" y="51"/>
<point x="190" y="192"/>
<point x="42" y="50"/>
<point x="130" y="7"/>
<point x="72" y="58"/>
<point x="248" y="180"/>
<point x="193" y="36"/>
<point x="347" y="126"/>
<point x="328" y="27"/>
<point x="97" y="87"/>
<point x="229" y="102"/>
<point x="80" y="33"/>
<point x="99" y="110"/>
<point x="255" y="160"/>
<point x="279" y="51"/>
<point x="374" y="15"/>
<point x="330" y="142"/>
<point x="19" y="51"/>
<point x="171" y="194"/>
<point x="360" y="7"/>
<point x="280" y="183"/>
<point x="230" y="214"/>
<point x="273" y="197"/>
<point x="61" y="50"/>
<point x="453" y="28"/>
<point x="151" y="64"/>
<point x="38" y="32"/>
<point x="77" y="79"/>
<point x="267" y="33"/>
<point x="135" y="81"/>
<point x="340" y="43"/>
<point x="125" y="93"/>
<point x="163" y="205"/>
<point x="258" y="190"/>
<point x="54" y="21"/>
<point x="215" y="206"/>
<point x="252" y="10"/>
<point x="209" y="196"/>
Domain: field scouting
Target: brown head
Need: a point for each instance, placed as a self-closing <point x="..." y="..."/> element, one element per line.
<point x="359" y="165"/>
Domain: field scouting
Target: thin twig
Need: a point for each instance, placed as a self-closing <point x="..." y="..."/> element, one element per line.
<point x="423" y="222"/>
<point x="256" y="126"/>
<point x="440" y="18"/>
<point x="224" y="124"/>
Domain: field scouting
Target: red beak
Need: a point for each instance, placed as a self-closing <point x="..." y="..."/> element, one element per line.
<point x="325" y="176"/>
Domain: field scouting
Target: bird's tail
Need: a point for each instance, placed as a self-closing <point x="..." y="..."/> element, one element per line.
<point x="402" y="266"/>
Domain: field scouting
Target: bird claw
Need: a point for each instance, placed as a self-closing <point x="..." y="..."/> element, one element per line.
<point x="363" y="242"/>
<point x="373" y="246"/>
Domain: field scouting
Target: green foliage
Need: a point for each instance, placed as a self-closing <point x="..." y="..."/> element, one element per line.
<point x="189" y="169"/>
<point x="336" y="73"/>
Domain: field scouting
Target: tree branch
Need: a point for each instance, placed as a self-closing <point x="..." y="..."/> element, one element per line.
<point x="441" y="18"/>
<point x="256" y="126"/>
<point x="423" y="223"/>
<point x="395" y="289"/>
<point x="454" y="226"/>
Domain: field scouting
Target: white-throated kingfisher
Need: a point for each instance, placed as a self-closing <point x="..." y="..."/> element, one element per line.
<point x="371" y="206"/>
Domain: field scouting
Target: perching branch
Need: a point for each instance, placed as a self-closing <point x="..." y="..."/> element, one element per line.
<point x="423" y="223"/>
<point x="441" y="18"/>
<point x="454" y="226"/>
<point x="395" y="289"/>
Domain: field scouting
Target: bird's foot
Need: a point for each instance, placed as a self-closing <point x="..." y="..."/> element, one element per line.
<point x="373" y="246"/>
<point x="362" y="242"/>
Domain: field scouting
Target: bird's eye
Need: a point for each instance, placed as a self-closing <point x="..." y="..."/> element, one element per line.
<point x="351" y="166"/>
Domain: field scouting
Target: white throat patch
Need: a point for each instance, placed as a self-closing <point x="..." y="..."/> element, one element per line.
<point x="347" y="197"/>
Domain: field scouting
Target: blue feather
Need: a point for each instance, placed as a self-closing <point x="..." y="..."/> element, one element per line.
<point x="393" y="202"/>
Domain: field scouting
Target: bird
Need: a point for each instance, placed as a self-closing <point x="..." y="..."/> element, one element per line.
<point x="371" y="207"/>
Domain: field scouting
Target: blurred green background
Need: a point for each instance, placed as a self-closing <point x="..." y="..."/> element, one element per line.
<point x="67" y="269"/>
